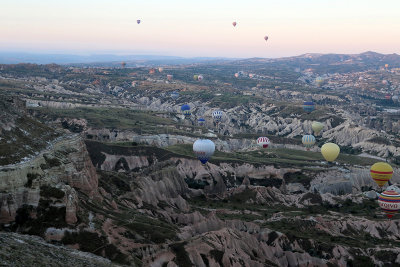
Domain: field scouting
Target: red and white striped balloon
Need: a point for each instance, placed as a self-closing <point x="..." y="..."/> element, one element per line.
<point x="263" y="141"/>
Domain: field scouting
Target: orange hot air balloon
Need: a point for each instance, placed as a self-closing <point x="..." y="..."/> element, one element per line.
<point x="386" y="65"/>
<point x="234" y="24"/>
<point x="152" y="71"/>
<point x="266" y="38"/>
<point x="381" y="172"/>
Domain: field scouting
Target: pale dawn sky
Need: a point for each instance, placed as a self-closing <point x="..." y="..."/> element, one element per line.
<point x="200" y="28"/>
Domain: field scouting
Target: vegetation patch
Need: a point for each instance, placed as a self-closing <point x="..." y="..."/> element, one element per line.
<point x="51" y="192"/>
<point x="182" y="257"/>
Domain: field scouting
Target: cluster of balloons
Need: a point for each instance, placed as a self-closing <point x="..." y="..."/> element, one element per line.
<point x="388" y="200"/>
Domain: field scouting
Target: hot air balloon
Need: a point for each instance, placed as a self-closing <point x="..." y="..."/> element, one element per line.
<point x="308" y="141"/>
<point x="237" y="75"/>
<point x="251" y="75"/>
<point x="152" y="71"/>
<point x="330" y="151"/>
<point x="317" y="127"/>
<point x="386" y="65"/>
<point x="266" y="38"/>
<point x="160" y="69"/>
<point x="263" y="141"/>
<point x="319" y="81"/>
<point x="203" y="149"/>
<point x="174" y="95"/>
<point x="388" y="97"/>
<point x="381" y="172"/>
<point x="201" y="121"/>
<point x="200" y="78"/>
<point x="234" y="24"/>
<point x="185" y="107"/>
<point x="123" y="64"/>
<point x="217" y="115"/>
<point x="308" y="106"/>
<point x="389" y="201"/>
<point x="195" y="77"/>
<point x="169" y="77"/>
<point x="138" y="21"/>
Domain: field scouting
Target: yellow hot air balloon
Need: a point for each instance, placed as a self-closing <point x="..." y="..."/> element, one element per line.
<point x="381" y="172"/>
<point x="330" y="151"/>
<point x="195" y="77"/>
<point x="317" y="127"/>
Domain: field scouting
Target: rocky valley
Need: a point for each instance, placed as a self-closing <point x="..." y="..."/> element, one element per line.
<point x="97" y="166"/>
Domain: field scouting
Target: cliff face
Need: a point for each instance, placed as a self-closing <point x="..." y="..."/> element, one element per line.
<point x="65" y="165"/>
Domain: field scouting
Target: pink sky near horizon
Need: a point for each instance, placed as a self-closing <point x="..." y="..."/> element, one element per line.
<point x="192" y="28"/>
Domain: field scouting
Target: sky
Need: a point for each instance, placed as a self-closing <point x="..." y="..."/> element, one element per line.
<point x="200" y="28"/>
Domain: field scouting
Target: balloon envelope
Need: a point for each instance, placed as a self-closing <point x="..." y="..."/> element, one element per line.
<point x="160" y="69"/>
<point x="308" y="106"/>
<point x="263" y="142"/>
<point x="138" y="21"/>
<point x="200" y="78"/>
<point x="234" y="24"/>
<point x="330" y="151"/>
<point x="381" y="172"/>
<point x="185" y="107"/>
<point x="169" y="77"/>
<point x="317" y="127"/>
<point x="203" y="149"/>
<point x="217" y="115"/>
<point x="308" y="140"/>
<point x="266" y="38"/>
<point x="236" y="75"/>
<point x="389" y="201"/>
<point x="201" y="121"/>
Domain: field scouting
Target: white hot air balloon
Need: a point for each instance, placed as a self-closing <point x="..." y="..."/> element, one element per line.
<point x="203" y="149"/>
<point x="263" y="142"/>
<point x="217" y="115"/>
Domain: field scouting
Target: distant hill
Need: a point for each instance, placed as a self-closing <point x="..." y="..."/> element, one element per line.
<point x="328" y="63"/>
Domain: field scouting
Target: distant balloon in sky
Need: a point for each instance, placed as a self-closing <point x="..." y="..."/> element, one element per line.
<point x="138" y="21"/>
<point x="389" y="201"/>
<point x="200" y="78"/>
<point x="234" y="24"/>
<point x="203" y="149"/>
<point x="381" y="173"/>
<point x="160" y="69"/>
<point x="330" y="151"/>
<point x="195" y="77"/>
<point x="237" y="75"/>
<point x="123" y="64"/>
<point x="263" y="142"/>
<point x="266" y="38"/>
<point x="169" y="77"/>
<point x="386" y="65"/>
